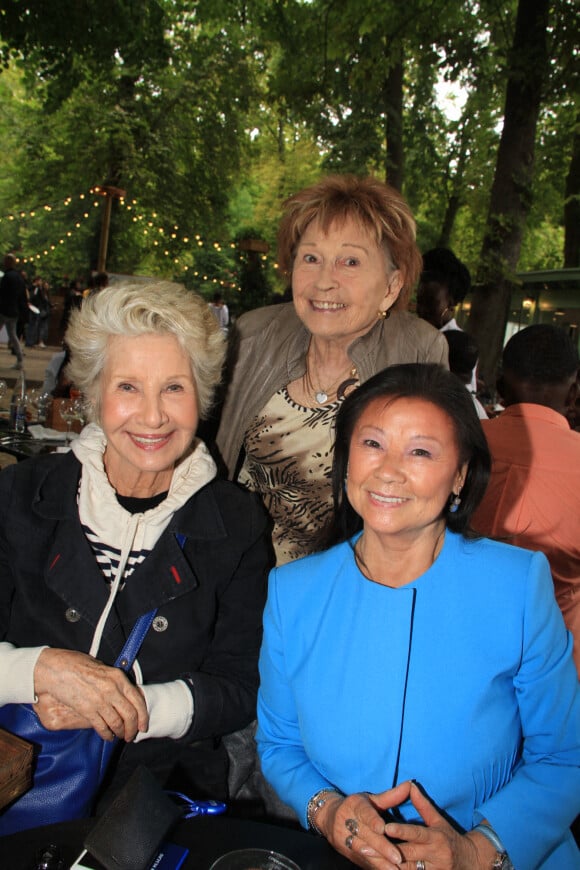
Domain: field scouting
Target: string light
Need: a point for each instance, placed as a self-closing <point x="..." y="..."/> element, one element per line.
<point x="49" y="248"/>
<point x="139" y="217"/>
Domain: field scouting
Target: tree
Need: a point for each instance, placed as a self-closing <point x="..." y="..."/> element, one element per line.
<point x="572" y="204"/>
<point x="211" y="113"/>
<point x="166" y="126"/>
<point x="57" y="45"/>
<point x="512" y="185"/>
<point x="553" y="220"/>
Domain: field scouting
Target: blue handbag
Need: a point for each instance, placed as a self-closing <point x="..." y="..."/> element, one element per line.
<point x="69" y="765"/>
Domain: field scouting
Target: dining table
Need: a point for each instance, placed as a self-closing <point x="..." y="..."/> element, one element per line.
<point x="23" y="445"/>
<point x="206" y="837"/>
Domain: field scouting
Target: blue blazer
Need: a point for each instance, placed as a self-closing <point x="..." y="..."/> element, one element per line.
<point x="463" y="680"/>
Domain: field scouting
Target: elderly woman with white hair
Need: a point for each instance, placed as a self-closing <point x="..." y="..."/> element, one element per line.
<point x="131" y="519"/>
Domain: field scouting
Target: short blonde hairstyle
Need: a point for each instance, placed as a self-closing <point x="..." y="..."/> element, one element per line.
<point x="132" y="309"/>
<point x="377" y="207"/>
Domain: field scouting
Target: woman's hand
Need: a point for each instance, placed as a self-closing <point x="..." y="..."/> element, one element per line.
<point x="355" y="820"/>
<point x="438" y="844"/>
<point x="57" y="717"/>
<point x="75" y="690"/>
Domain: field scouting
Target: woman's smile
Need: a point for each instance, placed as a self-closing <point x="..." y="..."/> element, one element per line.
<point x="403" y="466"/>
<point x="340" y="280"/>
<point x="327" y="306"/>
<point x="388" y="499"/>
<point x="148" y="411"/>
<point x="150" y="442"/>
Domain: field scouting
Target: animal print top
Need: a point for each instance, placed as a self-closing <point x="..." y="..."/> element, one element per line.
<point x="289" y="463"/>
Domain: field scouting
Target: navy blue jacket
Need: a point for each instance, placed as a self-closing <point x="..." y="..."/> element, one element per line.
<point x="210" y="594"/>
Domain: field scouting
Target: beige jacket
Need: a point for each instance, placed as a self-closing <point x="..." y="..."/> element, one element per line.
<point x="269" y="348"/>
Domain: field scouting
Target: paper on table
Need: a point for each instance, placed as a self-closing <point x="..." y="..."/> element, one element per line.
<point x="43" y="433"/>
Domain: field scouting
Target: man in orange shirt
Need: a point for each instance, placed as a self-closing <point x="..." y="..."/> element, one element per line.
<point x="533" y="498"/>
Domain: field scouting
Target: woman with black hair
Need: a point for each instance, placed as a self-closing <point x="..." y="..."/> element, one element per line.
<point x="419" y="706"/>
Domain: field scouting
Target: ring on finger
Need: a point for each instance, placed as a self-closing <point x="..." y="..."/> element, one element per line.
<point x="352" y="826"/>
<point x="348" y="841"/>
<point x="421" y="865"/>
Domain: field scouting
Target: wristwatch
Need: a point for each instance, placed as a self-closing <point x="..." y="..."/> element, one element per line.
<point x="501" y="860"/>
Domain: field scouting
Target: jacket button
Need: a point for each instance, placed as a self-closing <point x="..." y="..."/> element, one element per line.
<point x="72" y="615"/>
<point x="160" y="623"/>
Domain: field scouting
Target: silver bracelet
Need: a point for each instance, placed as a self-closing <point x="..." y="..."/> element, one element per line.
<point x="316" y="802"/>
<point x="501" y="860"/>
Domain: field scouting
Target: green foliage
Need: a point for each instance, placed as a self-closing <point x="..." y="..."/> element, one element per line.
<point x="170" y="134"/>
<point x="210" y="113"/>
<point x="61" y="43"/>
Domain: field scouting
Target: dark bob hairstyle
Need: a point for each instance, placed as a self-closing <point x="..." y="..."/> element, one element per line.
<point x="434" y="384"/>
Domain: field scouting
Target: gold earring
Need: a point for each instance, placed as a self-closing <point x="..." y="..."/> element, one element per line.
<point x="382" y="315"/>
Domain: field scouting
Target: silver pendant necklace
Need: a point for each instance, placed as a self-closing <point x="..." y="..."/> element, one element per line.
<point x="322" y="395"/>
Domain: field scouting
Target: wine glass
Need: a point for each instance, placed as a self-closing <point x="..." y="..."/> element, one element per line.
<point x="31" y="402"/>
<point x="71" y="410"/>
<point x="79" y="411"/>
<point x="40" y="401"/>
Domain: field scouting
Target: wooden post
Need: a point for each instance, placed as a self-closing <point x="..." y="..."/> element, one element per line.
<point x="109" y="193"/>
<point x="104" y="240"/>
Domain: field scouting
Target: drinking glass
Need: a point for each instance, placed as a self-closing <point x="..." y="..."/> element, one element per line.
<point x="43" y="405"/>
<point x="31" y="402"/>
<point x="71" y="410"/>
<point x="254" y="859"/>
<point x="79" y="411"/>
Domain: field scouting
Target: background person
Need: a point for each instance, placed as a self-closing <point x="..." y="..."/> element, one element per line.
<point x="73" y="300"/>
<point x="56" y="378"/>
<point x="89" y="541"/>
<point x="412" y="651"/>
<point x="13" y="302"/>
<point x="220" y="311"/>
<point x="444" y="283"/>
<point x="97" y="282"/>
<point x="463" y="356"/>
<point x="348" y="244"/>
<point x="38" y="321"/>
<point x="533" y="497"/>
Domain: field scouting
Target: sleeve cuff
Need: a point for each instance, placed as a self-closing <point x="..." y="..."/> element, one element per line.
<point x="170" y="707"/>
<point x="17" y="669"/>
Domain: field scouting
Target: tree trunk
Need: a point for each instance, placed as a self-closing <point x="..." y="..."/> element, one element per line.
<point x="393" y="92"/>
<point x="511" y="190"/>
<point x="572" y="205"/>
<point x="280" y="138"/>
<point x="453" y="206"/>
<point x="457" y="195"/>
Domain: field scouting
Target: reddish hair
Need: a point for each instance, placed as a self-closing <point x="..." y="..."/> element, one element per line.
<point x="376" y="206"/>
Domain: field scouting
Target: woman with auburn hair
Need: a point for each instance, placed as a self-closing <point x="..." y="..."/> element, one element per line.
<point x="348" y="246"/>
<point x="133" y="519"/>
